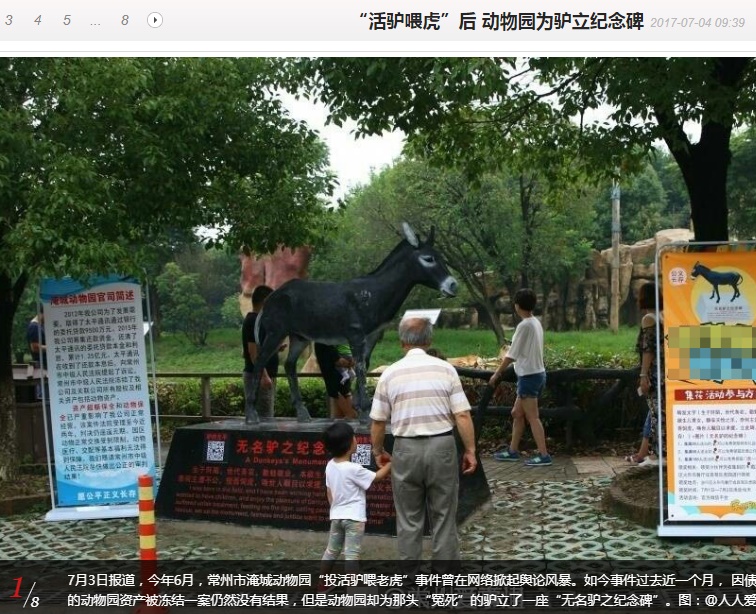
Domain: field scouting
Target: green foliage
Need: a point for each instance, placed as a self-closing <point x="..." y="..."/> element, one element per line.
<point x="217" y="273"/>
<point x="643" y="209"/>
<point x="182" y="306"/>
<point x="513" y="224"/>
<point x="231" y="313"/>
<point x="183" y="397"/>
<point x="192" y="291"/>
<point x="476" y="113"/>
<point x="677" y="209"/>
<point x="106" y="161"/>
<point x="742" y="186"/>
<point x="222" y="353"/>
<point x="120" y="151"/>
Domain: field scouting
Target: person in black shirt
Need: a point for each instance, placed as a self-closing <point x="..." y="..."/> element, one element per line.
<point x="264" y="403"/>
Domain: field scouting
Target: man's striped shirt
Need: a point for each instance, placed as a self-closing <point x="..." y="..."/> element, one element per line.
<point x="419" y="395"/>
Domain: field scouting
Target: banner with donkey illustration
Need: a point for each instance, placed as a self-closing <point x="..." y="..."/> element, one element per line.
<point x="709" y="311"/>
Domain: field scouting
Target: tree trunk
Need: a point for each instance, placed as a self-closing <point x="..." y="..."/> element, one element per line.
<point x="707" y="184"/>
<point x="8" y="451"/>
<point x="704" y="165"/>
<point x="487" y="311"/>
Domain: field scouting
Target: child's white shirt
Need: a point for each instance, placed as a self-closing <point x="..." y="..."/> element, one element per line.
<point x="348" y="482"/>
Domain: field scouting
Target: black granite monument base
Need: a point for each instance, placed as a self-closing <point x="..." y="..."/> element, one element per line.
<point x="273" y="474"/>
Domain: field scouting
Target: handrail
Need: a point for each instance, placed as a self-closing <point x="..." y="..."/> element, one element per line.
<point x="556" y="379"/>
<point x="226" y="374"/>
<point x="205" y="377"/>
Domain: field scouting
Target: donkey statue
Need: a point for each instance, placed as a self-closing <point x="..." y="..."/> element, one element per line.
<point x="353" y="312"/>
<point x="718" y="278"/>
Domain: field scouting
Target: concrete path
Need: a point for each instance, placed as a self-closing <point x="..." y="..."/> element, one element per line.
<point x="551" y="513"/>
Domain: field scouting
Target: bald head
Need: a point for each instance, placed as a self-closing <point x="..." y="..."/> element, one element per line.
<point x="415" y="332"/>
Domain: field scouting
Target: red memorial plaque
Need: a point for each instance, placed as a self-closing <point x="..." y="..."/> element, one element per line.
<point x="273" y="474"/>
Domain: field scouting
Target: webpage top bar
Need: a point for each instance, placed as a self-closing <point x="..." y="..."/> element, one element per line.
<point x="374" y="23"/>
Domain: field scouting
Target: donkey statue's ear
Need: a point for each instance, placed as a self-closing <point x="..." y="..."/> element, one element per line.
<point x="410" y="235"/>
<point x="431" y="236"/>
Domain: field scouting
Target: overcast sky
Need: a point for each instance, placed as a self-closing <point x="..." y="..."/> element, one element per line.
<point x="352" y="159"/>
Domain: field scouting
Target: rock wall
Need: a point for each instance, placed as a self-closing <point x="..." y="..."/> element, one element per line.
<point x="270" y="269"/>
<point x="583" y="304"/>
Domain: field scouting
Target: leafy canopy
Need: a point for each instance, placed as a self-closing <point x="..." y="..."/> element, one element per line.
<point x="104" y="157"/>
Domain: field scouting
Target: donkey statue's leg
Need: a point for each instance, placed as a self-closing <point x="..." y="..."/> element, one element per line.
<point x="359" y="353"/>
<point x="297" y="345"/>
<point x="266" y="351"/>
<point x="251" y="392"/>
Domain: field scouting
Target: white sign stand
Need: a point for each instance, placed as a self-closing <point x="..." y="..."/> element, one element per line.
<point x="100" y="416"/>
<point x="427" y="314"/>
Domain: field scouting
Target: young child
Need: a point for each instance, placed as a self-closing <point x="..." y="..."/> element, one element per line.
<point x="346" y="483"/>
<point x="526" y="352"/>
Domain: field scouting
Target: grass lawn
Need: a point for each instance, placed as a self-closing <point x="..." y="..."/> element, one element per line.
<point x="174" y="353"/>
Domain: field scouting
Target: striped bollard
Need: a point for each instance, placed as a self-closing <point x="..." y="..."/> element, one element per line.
<point x="147" y="545"/>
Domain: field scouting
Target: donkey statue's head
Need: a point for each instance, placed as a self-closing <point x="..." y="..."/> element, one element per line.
<point x="428" y="267"/>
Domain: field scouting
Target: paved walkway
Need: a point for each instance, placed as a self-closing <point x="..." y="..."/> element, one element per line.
<point x="551" y="513"/>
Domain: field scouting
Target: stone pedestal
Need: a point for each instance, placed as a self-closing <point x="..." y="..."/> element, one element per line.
<point x="273" y="474"/>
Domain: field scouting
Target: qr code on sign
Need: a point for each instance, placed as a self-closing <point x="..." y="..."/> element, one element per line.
<point x="362" y="454"/>
<point x="215" y="451"/>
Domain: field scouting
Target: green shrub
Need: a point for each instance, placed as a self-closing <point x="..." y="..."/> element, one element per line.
<point x="183" y="397"/>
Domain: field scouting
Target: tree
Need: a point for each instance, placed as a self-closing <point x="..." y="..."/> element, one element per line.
<point x="506" y="228"/>
<point x="103" y="157"/>
<point x="184" y="308"/>
<point x="193" y="288"/>
<point x="677" y="209"/>
<point x="366" y="230"/>
<point x="471" y="111"/>
<point x="742" y="186"/>
<point x="217" y="273"/>
<point x="643" y="203"/>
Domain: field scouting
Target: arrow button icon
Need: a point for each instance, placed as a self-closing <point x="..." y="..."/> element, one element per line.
<point x="154" y="20"/>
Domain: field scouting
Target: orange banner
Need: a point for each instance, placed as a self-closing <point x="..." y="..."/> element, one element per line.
<point x="710" y="424"/>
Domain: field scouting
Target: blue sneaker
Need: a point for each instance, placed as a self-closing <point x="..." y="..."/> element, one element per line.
<point x="539" y="460"/>
<point x="506" y="455"/>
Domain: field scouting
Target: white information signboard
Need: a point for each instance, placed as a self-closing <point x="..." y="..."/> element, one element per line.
<point x="99" y="398"/>
<point x="428" y="314"/>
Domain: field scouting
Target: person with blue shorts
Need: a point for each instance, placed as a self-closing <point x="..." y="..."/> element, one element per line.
<point x="526" y="352"/>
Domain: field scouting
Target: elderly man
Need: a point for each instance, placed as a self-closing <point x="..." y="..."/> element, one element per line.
<point x="423" y="398"/>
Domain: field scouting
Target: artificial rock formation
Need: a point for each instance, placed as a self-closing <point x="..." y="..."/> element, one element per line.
<point x="583" y="303"/>
<point x="272" y="270"/>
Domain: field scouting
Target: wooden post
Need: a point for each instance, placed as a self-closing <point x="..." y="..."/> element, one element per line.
<point x="615" y="289"/>
<point x="205" y="384"/>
